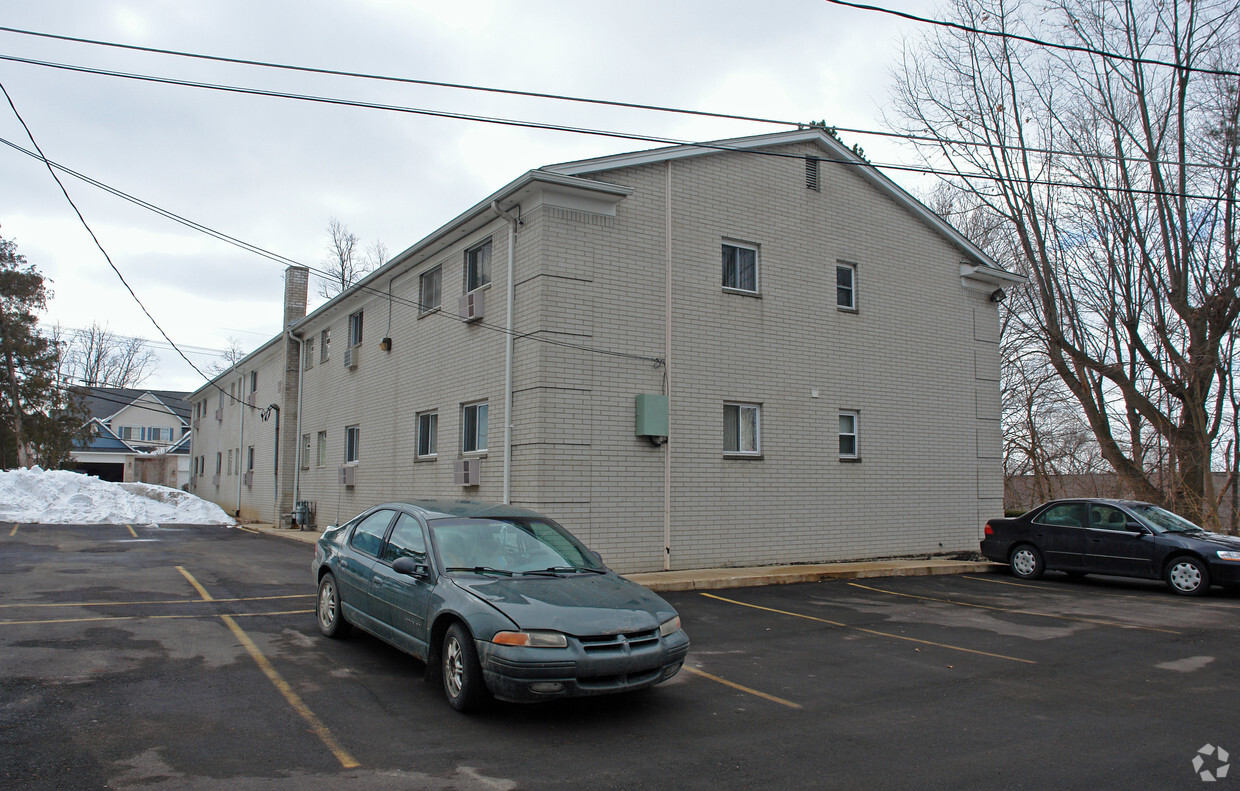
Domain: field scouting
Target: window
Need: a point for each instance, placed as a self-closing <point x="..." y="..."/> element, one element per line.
<point x="325" y="341"/>
<point x="846" y="286"/>
<point x="308" y="361"/>
<point x="352" y="442"/>
<point x="230" y="461"/>
<point x="430" y="290"/>
<point x="478" y="266"/>
<point x="1065" y="515"/>
<point x="740" y="268"/>
<point x="219" y="462"/>
<point x="321" y="453"/>
<point x="249" y="459"/>
<point x="406" y="541"/>
<point x="368" y="535"/>
<point x="849" y="449"/>
<point x="474" y="427"/>
<point x="126" y="433"/>
<point x="1106" y="517"/>
<point x="355" y="329"/>
<point x="305" y="451"/>
<point x="741" y="429"/>
<point x="428" y="431"/>
<point x="811" y="173"/>
<point x="253" y="381"/>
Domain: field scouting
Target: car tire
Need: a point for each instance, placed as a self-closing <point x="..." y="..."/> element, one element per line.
<point x="1187" y="576"/>
<point x="327" y="610"/>
<point x="1026" y="562"/>
<point x="462" y="674"/>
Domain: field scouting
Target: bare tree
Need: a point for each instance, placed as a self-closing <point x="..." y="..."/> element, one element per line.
<point x="346" y="262"/>
<point x="1116" y="177"/>
<point x="97" y="357"/>
<point x="231" y="355"/>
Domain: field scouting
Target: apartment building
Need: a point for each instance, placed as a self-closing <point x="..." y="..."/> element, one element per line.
<point x="753" y="351"/>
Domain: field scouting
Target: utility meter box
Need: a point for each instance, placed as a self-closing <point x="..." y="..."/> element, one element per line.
<point x="651" y="415"/>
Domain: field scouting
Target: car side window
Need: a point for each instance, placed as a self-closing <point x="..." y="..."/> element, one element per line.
<point x="368" y="535"/>
<point x="406" y="541"/>
<point x="1106" y="517"/>
<point x="1065" y="515"/>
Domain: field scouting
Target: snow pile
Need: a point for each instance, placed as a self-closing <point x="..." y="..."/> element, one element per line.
<point x="57" y="497"/>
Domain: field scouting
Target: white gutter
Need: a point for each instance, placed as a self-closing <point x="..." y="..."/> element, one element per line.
<point x="667" y="374"/>
<point x="508" y="351"/>
<point x="240" y="436"/>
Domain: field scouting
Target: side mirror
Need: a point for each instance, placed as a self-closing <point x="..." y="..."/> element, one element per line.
<point x="409" y="566"/>
<point x="1138" y="528"/>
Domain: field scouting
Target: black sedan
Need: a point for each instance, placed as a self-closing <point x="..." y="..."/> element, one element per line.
<point x="1118" y="537"/>
<point x="497" y="600"/>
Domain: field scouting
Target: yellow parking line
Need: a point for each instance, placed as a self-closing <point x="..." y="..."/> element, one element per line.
<point x="131" y="531"/>
<point x="871" y="631"/>
<point x="247" y="529"/>
<point x="150" y="617"/>
<point x="741" y="688"/>
<point x="1017" y="612"/>
<point x="316" y="725"/>
<point x="20" y="605"/>
<point x="13" y="532"/>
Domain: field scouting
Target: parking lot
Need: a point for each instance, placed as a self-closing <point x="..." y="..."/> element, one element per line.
<point x="188" y="658"/>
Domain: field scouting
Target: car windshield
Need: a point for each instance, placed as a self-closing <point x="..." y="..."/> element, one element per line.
<point x="1162" y="520"/>
<point x="509" y="546"/>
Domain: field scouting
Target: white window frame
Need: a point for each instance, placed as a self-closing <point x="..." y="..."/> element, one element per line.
<point x="352" y="444"/>
<point x="469" y="418"/>
<point x="855" y="434"/>
<point x="325" y="345"/>
<point x="356" y="326"/>
<point x="430" y="419"/>
<point x="308" y="357"/>
<point x="731" y="244"/>
<point x="321" y="449"/>
<point x="851" y="269"/>
<point x="434" y="301"/>
<point x="304" y="463"/>
<point x="474" y="257"/>
<point x="742" y="408"/>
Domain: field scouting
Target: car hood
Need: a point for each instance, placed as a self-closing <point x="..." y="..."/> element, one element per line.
<point x="1212" y="540"/>
<point x="577" y="604"/>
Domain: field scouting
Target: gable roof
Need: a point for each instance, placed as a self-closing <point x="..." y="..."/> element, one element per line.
<point x="104" y="440"/>
<point x="836" y="152"/>
<point x="104" y="402"/>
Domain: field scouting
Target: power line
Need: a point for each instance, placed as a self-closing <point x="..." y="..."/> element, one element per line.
<point x="533" y="94"/>
<point x="1031" y="40"/>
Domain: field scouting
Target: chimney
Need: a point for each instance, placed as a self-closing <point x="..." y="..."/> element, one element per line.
<point x="296" y="283"/>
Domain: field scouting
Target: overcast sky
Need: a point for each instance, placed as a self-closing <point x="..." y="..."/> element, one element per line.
<point x="273" y="172"/>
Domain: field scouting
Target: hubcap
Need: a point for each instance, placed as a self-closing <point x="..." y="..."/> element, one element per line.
<point x="1185" y="576"/>
<point x="1023" y="561"/>
<point x="453" y="667"/>
<point x="327" y="606"/>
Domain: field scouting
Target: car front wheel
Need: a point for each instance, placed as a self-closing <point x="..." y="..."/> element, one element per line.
<point x="1188" y="576"/>
<point x="327" y="611"/>
<point x="1026" y="562"/>
<point x="462" y="674"/>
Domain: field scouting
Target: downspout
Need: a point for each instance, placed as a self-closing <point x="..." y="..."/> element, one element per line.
<point x="667" y="377"/>
<point x="240" y="436"/>
<point x="508" y="351"/>
<point x="301" y="362"/>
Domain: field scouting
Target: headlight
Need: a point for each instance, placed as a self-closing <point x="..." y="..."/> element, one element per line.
<point x="1228" y="555"/>
<point x="532" y="639"/>
<point x="669" y="627"/>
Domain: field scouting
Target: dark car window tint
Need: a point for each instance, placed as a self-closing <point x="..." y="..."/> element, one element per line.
<point x="1106" y="517"/>
<point x="368" y="536"/>
<point x="406" y="541"/>
<point x="1065" y="515"/>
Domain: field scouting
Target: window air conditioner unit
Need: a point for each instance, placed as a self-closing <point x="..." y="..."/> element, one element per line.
<point x="472" y="305"/>
<point x="250" y="399"/>
<point x="219" y="413"/>
<point x="347" y="475"/>
<point x="216" y="479"/>
<point x="467" y="472"/>
<point x="249" y="477"/>
<point x="351" y="355"/>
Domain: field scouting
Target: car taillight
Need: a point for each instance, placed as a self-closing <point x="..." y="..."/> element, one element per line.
<point x="990" y="531"/>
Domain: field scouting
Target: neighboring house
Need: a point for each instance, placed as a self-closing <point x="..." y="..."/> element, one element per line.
<point x="139" y="435"/>
<point x="747" y="352"/>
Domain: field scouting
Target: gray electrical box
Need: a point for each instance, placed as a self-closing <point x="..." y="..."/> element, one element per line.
<point x="651" y="413"/>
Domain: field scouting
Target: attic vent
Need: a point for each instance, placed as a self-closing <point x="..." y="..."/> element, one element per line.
<point x="811" y="173"/>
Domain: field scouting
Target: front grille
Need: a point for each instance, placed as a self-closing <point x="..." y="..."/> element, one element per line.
<point x="620" y="643"/>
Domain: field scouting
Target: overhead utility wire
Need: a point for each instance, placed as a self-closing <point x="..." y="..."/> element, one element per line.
<point x="534" y="94"/>
<point x="98" y="244"/>
<point x="1031" y="40"/>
